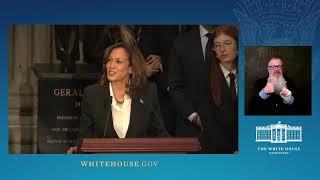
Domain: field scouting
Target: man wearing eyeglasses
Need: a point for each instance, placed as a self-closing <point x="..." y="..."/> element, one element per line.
<point x="275" y="95"/>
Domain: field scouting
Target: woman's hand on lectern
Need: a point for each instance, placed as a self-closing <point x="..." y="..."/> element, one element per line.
<point x="72" y="150"/>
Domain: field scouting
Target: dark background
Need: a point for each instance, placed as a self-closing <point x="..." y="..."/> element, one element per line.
<point x="297" y="66"/>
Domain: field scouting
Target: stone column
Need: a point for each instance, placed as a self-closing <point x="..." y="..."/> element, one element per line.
<point x="28" y="44"/>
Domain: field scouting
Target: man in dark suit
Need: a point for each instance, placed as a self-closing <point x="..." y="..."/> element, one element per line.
<point x="275" y="93"/>
<point x="155" y="42"/>
<point x="188" y="78"/>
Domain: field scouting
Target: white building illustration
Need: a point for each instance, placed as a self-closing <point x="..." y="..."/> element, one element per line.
<point x="278" y="133"/>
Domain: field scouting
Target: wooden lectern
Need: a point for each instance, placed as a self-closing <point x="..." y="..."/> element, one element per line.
<point x="140" y="145"/>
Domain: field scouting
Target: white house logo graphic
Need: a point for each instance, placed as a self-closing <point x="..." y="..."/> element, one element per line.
<point x="281" y="22"/>
<point x="278" y="133"/>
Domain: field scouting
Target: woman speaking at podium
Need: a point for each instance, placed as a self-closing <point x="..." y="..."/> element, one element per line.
<point x="122" y="104"/>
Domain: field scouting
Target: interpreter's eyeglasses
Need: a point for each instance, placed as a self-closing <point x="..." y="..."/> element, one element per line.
<point x="274" y="67"/>
<point x="219" y="46"/>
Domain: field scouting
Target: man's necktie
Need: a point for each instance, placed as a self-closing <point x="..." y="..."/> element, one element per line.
<point x="209" y="51"/>
<point x="232" y="86"/>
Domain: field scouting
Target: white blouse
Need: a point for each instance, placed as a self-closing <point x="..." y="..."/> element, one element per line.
<point x="120" y="114"/>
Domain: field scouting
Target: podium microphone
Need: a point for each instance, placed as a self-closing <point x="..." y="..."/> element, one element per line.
<point x="107" y="121"/>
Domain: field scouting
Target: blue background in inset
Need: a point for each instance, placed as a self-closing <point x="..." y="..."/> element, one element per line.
<point x="248" y="164"/>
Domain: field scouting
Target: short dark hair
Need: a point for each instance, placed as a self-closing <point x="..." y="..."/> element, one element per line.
<point x="276" y="57"/>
